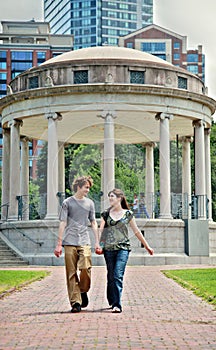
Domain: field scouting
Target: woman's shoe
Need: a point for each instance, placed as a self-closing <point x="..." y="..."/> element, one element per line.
<point x="116" y="310"/>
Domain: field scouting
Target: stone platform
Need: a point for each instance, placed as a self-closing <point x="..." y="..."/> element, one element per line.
<point x="34" y="241"/>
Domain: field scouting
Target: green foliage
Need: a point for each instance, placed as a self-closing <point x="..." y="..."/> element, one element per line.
<point x="42" y="170"/>
<point x="34" y="200"/>
<point x="1" y="188"/>
<point x="201" y="281"/>
<point x="213" y="167"/>
<point x="176" y="166"/>
<point x="15" y="279"/>
<point x="129" y="168"/>
<point x="69" y="154"/>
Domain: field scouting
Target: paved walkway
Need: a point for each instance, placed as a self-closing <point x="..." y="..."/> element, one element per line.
<point x="157" y="314"/>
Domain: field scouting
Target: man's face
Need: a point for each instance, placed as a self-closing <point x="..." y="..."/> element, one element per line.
<point x="84" y="190"/>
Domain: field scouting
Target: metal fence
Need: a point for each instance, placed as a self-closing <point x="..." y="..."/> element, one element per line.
<point x="183" y="206"/>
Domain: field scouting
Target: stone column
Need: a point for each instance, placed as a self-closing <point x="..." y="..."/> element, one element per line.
<point x="165" y="198"/>
<point x="61" y="167"/>
<point x="149" y="178"/>
<point x="24" y="181"/>
<point x="5" y="174"/>
<point x="186" y="176"/>
<point x="52" y="166"/>
<point x="200" y="178"/>
<point x="102" y="177"/>
<point x="14" y="168"/>
<point x="61" y="173"/>
<point x="208" y="172"/>
<point x="108" y="154"/>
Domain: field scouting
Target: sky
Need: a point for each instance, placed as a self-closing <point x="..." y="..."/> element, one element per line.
<point x="194" y="19"/>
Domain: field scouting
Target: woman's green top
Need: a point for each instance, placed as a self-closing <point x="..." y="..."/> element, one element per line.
<point x="115" y="233"/>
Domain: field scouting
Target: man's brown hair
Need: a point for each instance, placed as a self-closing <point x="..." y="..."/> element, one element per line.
<point x="81" y="181"/>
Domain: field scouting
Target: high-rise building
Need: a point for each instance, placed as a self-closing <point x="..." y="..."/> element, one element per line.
<point x="27" y="44"/>
<point x="95" y="23"/>
<point x="22" y="46"/>
<point x="167" y="45"/>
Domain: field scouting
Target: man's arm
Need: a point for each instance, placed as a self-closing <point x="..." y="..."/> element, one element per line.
<point x="94" y="227"/>
<point x="58" y="249"/>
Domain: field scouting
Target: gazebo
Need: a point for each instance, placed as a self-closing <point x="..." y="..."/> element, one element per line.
<point x="108" y="95"/>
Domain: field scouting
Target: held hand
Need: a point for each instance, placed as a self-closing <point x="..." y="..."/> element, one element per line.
<point x="58" y="251"/>
<point x="98" y="250"/>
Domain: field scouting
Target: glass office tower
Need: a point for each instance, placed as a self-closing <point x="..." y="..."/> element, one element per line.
<point x="95" y="22"/>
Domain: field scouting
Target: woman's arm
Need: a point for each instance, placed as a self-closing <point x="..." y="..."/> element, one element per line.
<point x="140" y="237"/>
<point x="101" y="228"/>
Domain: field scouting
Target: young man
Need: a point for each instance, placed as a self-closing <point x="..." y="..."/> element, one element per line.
<point x="76" y="212"/>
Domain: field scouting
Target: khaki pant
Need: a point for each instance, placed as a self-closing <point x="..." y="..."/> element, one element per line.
<point x="78" y="271"/>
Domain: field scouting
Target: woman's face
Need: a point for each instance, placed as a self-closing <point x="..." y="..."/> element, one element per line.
<point x="113" y="199"/>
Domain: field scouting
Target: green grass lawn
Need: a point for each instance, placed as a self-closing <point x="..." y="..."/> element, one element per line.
<point x="15" y="279"/>
<point x="201" y="281"/>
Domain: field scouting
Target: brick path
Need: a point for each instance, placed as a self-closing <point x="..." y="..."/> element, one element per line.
<point x="157" y="314"/>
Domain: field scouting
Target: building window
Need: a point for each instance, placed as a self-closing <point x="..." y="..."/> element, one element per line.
<point x="3" y="60"/>
<point x="3" y="76"/>
<point x="154" y="47"/>
<point x="130" y="45"/>
<point x="176" y="45"/>
<point x="192" y="57"/>
<point x="136" y="77"/>
<point x="176" y="56"/>
<point x="148" y="2"/>
<point x="162" y="56"/>
<point x="81" y="77"/>
<point x="3" y="55"/>
<point x="193" y="68"/>
<point x="3" y="84"/>
<point x="20" y="61"/>
<point x="41" y="57"/>
<point x="182" y="83"/>
<point x="3" y="65"/>
<point x="33" y="83"/>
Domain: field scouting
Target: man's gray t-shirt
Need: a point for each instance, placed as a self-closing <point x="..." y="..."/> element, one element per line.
<point x="77" y="213"/>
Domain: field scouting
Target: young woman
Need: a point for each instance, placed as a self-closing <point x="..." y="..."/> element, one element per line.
<point x="114" y="239"/>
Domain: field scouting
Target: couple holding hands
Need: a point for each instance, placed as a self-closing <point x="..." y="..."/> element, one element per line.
<point x="111" y="239"/>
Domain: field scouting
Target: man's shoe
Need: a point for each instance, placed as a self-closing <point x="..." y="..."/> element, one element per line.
<point x="85" y="301"/>
<point x="76" y="308"/>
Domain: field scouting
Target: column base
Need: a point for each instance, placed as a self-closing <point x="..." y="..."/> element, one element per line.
<point x="13" y="218"/>
<point x="51" y="217"/>
<point x="165" y="216"/>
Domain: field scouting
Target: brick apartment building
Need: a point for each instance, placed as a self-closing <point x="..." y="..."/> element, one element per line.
<point x="167" y="45"/>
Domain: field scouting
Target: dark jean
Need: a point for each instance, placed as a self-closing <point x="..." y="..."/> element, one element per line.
<point x="116" y="261"/>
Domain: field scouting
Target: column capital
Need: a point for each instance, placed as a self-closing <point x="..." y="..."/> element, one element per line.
<point x="106" y="114"/>
<point x="15" y="122"/>
<point x="149" y="144"/>
<point x="163" y="115"/>
<point x="53" y="115"/>
<point x="186" y="139"/>
<point x="5" y="131"/>
<point x="25" y="139"/>
<point x="198" y="123"/>
<point x="207" y="131"/>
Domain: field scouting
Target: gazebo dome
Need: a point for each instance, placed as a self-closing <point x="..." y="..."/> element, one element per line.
<point x="107" y="53"/>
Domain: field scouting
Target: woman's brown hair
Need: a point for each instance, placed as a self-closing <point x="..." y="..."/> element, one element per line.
<point x="120" y="194"/>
